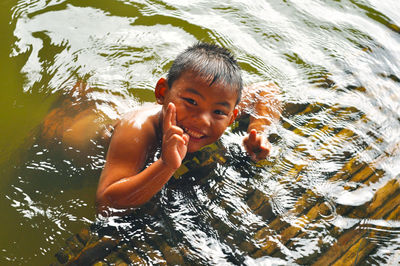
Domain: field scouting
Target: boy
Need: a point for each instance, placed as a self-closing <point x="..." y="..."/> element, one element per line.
<point x="196" y="103"/>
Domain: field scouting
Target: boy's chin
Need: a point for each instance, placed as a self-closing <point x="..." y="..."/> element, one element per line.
<point x="194" y="148"/>
<point x="191" y="150"/>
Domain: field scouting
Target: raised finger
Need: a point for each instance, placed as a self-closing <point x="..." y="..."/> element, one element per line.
<point x="168" y="117"/>
<point x="252" y="135"/>
<point x="173" y="114"/>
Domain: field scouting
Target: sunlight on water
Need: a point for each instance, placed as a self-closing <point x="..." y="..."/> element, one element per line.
<point x="329" y="192"/>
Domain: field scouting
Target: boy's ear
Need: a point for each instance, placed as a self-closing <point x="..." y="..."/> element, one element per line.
<point x="160" y="90"/>
<point x="234" y="115"/>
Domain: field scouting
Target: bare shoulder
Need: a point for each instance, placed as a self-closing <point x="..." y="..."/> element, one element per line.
<point x="141" y="117"/>
<point x="137" y="128"/>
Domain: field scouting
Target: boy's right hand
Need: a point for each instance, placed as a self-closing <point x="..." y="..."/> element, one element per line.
<point x="175" y="140"/>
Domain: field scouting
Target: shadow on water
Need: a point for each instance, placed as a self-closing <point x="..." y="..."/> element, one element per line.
<point x="50" y="196"/>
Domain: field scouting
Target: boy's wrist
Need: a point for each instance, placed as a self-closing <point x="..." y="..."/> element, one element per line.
<point x="167" y="166"/>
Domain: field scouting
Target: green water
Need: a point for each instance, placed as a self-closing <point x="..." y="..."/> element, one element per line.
<point x="337" y="63"/>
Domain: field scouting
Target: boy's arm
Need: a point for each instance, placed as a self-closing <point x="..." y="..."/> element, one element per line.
<point x="261" y="102"/>
<point x="124" y="183"/>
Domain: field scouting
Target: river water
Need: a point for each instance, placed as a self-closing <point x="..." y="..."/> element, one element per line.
<point x="336" y="146"/>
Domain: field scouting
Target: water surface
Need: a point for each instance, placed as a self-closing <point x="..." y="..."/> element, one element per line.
<point x="336" y="148"/>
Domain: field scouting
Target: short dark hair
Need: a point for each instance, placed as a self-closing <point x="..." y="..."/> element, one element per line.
<point x="214" y="63"/>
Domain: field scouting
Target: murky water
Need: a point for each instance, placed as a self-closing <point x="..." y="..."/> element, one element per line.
<point x="334" y="169"/>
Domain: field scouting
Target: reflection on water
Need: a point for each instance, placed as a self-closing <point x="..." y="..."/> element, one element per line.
<point x="329" y="193"/>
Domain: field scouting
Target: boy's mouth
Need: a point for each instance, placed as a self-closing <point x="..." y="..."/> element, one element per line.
<point x="193" y="133"/>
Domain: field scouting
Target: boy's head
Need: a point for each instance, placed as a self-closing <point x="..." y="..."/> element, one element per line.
<point x="204" y="84"/>
<point x="211" y="62"/>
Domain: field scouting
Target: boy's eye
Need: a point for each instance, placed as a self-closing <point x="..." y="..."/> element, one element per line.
<point x="219" y="112"/>
<point x="191" y="101"/>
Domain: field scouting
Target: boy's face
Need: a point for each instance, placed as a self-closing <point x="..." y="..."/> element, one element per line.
<point x="203" y="112"/>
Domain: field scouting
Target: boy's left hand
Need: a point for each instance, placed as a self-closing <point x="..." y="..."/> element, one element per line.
<point x="257" y="146"/>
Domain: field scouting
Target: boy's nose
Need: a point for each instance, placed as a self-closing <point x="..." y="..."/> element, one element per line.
<point x="203" y="120"/>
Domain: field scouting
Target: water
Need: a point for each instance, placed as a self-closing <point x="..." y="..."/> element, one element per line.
<point x="333" y="171"/>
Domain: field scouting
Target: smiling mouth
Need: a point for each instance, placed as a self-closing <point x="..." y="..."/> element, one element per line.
<point x="193" y="134"/>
